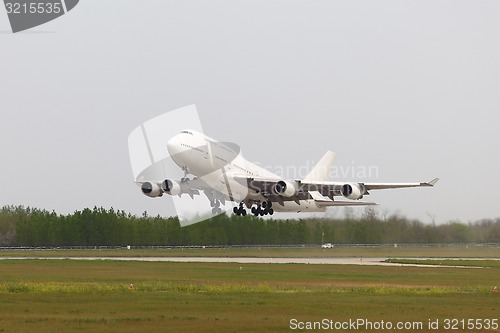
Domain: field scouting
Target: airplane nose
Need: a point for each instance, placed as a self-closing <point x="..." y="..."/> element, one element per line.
<point x="174" y="146"/>
<point x="179" y="152"/>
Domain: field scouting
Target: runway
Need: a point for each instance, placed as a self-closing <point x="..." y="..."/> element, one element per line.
<point x="376" y="261"/>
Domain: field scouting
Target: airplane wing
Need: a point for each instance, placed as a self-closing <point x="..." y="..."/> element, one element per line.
<point x="276" y="190"/>
<point x="336" y="186"/>
<point x="382" y="186"/>
<point x="323" y="192"/>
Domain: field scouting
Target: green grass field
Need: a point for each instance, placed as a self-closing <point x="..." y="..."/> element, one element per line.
<point x="94" y="296"/>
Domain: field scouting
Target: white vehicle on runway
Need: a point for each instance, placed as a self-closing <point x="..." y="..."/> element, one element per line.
<point x="219" y="171"/>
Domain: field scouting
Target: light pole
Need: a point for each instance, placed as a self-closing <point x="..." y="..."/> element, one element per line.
<point x="322" y="238"/>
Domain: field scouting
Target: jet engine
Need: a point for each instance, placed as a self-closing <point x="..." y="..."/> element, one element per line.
<point x="284" y="188"/>
<point x="151" y="190"/>
<point x="170" y="187"/>
<point x="353" y="191"/>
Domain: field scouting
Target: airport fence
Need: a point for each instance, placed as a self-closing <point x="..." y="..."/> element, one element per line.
<point x="293" y="246"/>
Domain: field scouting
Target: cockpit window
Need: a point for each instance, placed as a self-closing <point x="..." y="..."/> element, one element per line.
<point x="187" y="132"/>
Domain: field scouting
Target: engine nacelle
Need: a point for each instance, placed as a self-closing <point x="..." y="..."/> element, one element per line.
<point x="353" y="191"/>
<point x="170" y="187"/>
<point x="284" y="188"/>
<point x="151" y="190"/>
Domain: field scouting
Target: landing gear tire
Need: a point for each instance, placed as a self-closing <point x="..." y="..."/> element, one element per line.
<point x="256" y="211"/>
<point x="240" y="210"/>
<point x="267" y="204"/>
<point x="262" y="208"/>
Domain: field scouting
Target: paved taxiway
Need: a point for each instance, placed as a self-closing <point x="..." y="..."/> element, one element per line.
<point x="244" y="260"/>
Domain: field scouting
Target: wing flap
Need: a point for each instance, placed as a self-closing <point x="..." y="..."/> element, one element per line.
<point x="323" y="201"/>
<point x="258" y="184"/>
<point x="354" y="203"/>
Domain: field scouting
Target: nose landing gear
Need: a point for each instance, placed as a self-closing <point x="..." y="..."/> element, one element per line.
<point x="215" y="204"/>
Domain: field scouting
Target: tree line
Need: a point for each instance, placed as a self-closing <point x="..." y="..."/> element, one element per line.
<point x="20" y="226"/>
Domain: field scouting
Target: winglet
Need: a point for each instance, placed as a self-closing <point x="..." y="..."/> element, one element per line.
<point x="433" y="182"/>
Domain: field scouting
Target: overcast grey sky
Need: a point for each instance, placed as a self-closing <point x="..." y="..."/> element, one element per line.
<point x="412" y="87"/>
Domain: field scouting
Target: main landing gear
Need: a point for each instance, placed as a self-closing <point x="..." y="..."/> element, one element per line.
<point x="240" y="210"/>
<point x="261" y="209"/>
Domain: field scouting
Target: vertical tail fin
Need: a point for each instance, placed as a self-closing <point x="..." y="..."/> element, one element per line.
<point x="321" y="171"/>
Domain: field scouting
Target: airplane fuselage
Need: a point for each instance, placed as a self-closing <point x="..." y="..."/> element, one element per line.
<point x="220" y="164"/>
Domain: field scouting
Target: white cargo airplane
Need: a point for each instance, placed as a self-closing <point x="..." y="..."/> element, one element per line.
<point x="221" y="172"/>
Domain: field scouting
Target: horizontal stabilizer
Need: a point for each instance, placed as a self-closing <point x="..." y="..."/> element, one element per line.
<point x="318" y="197"/>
